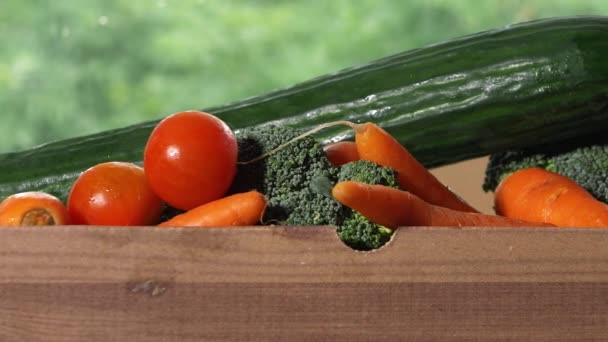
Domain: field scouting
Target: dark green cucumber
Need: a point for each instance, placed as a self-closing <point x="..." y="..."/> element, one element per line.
<point x="537" y="82"/>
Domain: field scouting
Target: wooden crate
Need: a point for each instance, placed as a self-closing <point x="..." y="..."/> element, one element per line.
<point x="301" y="283"/>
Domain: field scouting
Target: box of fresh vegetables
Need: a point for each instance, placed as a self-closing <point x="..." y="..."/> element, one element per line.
<point x="313" y="212"/>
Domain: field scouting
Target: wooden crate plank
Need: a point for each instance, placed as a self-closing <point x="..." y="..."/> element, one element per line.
<point x="302" y="283"/>
<point x="299" y="254"/>
<point x="497" y="311"/>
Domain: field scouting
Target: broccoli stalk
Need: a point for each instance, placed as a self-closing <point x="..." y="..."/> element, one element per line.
<point x="297" y="179"/>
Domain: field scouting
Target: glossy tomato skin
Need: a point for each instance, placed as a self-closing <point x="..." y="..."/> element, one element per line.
<point x="190" y="159"/>
<point x="113" y="194"/>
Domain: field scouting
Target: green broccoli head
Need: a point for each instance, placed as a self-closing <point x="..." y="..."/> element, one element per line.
<point x="368" y="172"/>
<point x="359" y="233"/>
<point x="286" y="176"/>
<point x="297" y="180"/>
<point x="354" y="229"/>
<point x="587" y="165"/>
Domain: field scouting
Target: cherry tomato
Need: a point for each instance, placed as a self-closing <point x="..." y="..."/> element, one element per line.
<point x="114" y="194"/>
<point x="33" y="208"/>
<point x="190" y="159"/>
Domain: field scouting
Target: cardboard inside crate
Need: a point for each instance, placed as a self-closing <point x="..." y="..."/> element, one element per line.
<point x="466" y="178"/>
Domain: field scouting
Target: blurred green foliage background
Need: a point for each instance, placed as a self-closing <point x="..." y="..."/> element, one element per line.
<point x="69" y="67"/>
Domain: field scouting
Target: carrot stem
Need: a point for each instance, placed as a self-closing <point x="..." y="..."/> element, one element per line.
<point x="318" y="128"/>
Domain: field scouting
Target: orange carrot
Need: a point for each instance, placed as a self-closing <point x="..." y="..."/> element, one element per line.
<point x="341" y="152"/>
<point x="377" y="145"/>
<point x="539" y="195"/>
<point x="242" y="209"/>
<point x="33" y="208"/>
<point x="393" y="208"/>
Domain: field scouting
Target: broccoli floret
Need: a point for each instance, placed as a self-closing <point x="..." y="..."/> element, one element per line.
<point x="587" y="165"/>
<point x="354" y="229"/>
<point x="286" y="177"/>
<point x="359" y="233"/>
<point x="297" y="181"/>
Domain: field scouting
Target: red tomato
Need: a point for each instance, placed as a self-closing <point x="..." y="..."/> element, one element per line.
<point x="190" y="159"/>
<point x="114" y="194"/>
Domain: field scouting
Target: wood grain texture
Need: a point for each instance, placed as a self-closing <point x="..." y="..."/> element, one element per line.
<point x="301" y="283"/>
<point x="299" y="254"/>
<point x="306" y="311"/>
